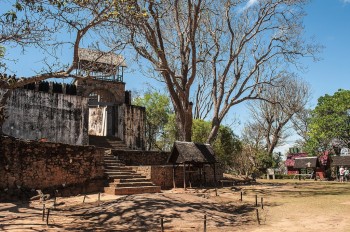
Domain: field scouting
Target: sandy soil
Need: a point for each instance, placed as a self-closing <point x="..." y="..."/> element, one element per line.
<point x="288" y="206"/>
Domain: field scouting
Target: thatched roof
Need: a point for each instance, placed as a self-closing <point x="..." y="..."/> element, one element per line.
<point x="189" y="152"/>
<point x="306" y="162"/>
<point x="98" y="57"/>
<point x="341" y="161"/>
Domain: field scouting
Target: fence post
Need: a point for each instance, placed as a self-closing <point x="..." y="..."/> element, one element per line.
<point x="257" y="216"/>
<point x="161" y="224"/>
<point x="84" y="198"/>
<point x="241" y="196"/>
<point x="256" y="200"/>
<point x="205" y="223"/>
<point x="43" y="217"/>
<point x="47" y="216"/>
<point x="262" y="203"/>
<point x="54" y="202"/>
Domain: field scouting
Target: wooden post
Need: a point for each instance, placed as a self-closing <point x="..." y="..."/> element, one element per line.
<point x="200" y="177"/>
<point x="174" y="184"/>
<point x="184" y="176"/>
<point x="43" y="212"/>
<point x="161" y="224"/>
<point x="47" y="216"/>
<point x="216" y="190"/>
<point x="256" y="200"/>
<point x="241" y="196"/>
<point x="257" y="216"/>
<point x="205" y="223"/>
<point x="262" y="203"/>
<point x="84" y="198"/>
<point x="54" y="202"/>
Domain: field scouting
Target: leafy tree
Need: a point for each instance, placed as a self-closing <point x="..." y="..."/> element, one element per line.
<point x="157" y="114"/>
<point x="329" y="127"/>
<point x="226" y="145"/>
<point x="254" y="157"/>
<point x="200" y="130"/>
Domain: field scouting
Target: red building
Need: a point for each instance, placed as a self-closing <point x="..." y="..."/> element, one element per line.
<point x="320" y="167"/>
<point x="290" y="161"/>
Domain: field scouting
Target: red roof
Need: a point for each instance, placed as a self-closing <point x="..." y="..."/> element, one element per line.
<point x="291" y="157"/>
<point x="324" y="159"/>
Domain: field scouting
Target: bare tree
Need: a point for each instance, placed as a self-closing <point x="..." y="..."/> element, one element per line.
<point x="245" y="46"/>
<point x="300" y="123"/>
<point x="202" y="106"/>
<point x="272" y="117"/>
<point x="74" y="18"/>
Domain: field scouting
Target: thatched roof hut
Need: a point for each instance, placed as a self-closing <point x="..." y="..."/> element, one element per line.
<point x="193" y="157"/>
<point x="189" y="152"/>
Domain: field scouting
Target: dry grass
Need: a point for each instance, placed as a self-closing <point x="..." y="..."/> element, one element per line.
<point x="288" y="206"/>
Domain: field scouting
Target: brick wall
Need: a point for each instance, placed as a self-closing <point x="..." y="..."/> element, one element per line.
<point x="162" y="175"/>
<point x="136" y="158"/>
<point x="28" y="166"/>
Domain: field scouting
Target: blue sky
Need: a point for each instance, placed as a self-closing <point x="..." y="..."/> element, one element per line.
<point x="327" y="21"/>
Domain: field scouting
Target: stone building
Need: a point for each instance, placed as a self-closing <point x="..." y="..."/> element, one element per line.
<point x="93" y="110"/>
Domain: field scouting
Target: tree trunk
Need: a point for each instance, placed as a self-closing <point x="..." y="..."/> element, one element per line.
<point x="215" y="126"/>
<point x="184" y="123"/>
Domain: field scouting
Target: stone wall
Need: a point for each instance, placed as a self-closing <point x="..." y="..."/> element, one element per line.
<point x="49" y="166"/>
<point x="134" y="126"/>
<point x="162" y="175"/>
<point x="138" y="158"/>
<point x="87" y="86"/>
<point x="56" y="118"/>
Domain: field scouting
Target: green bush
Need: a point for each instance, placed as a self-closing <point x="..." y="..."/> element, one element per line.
<point x="284" y="176"/>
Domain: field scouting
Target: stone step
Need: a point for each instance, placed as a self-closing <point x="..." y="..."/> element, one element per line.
<point x="131" y="184"/>
<point x="113" y="166"/>
<point x="117" y="143"/>
<point x="118" y="169"/>
<point x="125" y="176"/>
<point x="124" y="180"/>
<point x="111" y="173"/>
<point x="109" y="157"/>
<point x="113" y="162"/>
<point x="132" y="180"/>
<point x="107" y="142"/>
<point x="116" y="165"/>
<point x="132" y="190"/>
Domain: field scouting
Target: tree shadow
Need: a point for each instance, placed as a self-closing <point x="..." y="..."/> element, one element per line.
<point x="140" y="213"/>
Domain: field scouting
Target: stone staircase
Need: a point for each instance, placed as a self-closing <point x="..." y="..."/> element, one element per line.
<point x="107" y="142"/>
<point x="125" y="181"/>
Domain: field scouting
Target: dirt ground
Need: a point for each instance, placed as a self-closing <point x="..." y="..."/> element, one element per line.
<point x="288" y="206"/>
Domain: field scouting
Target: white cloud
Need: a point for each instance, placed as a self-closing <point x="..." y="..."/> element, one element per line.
<point x="346" y="1"/>
<point x="252" y="2"/>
